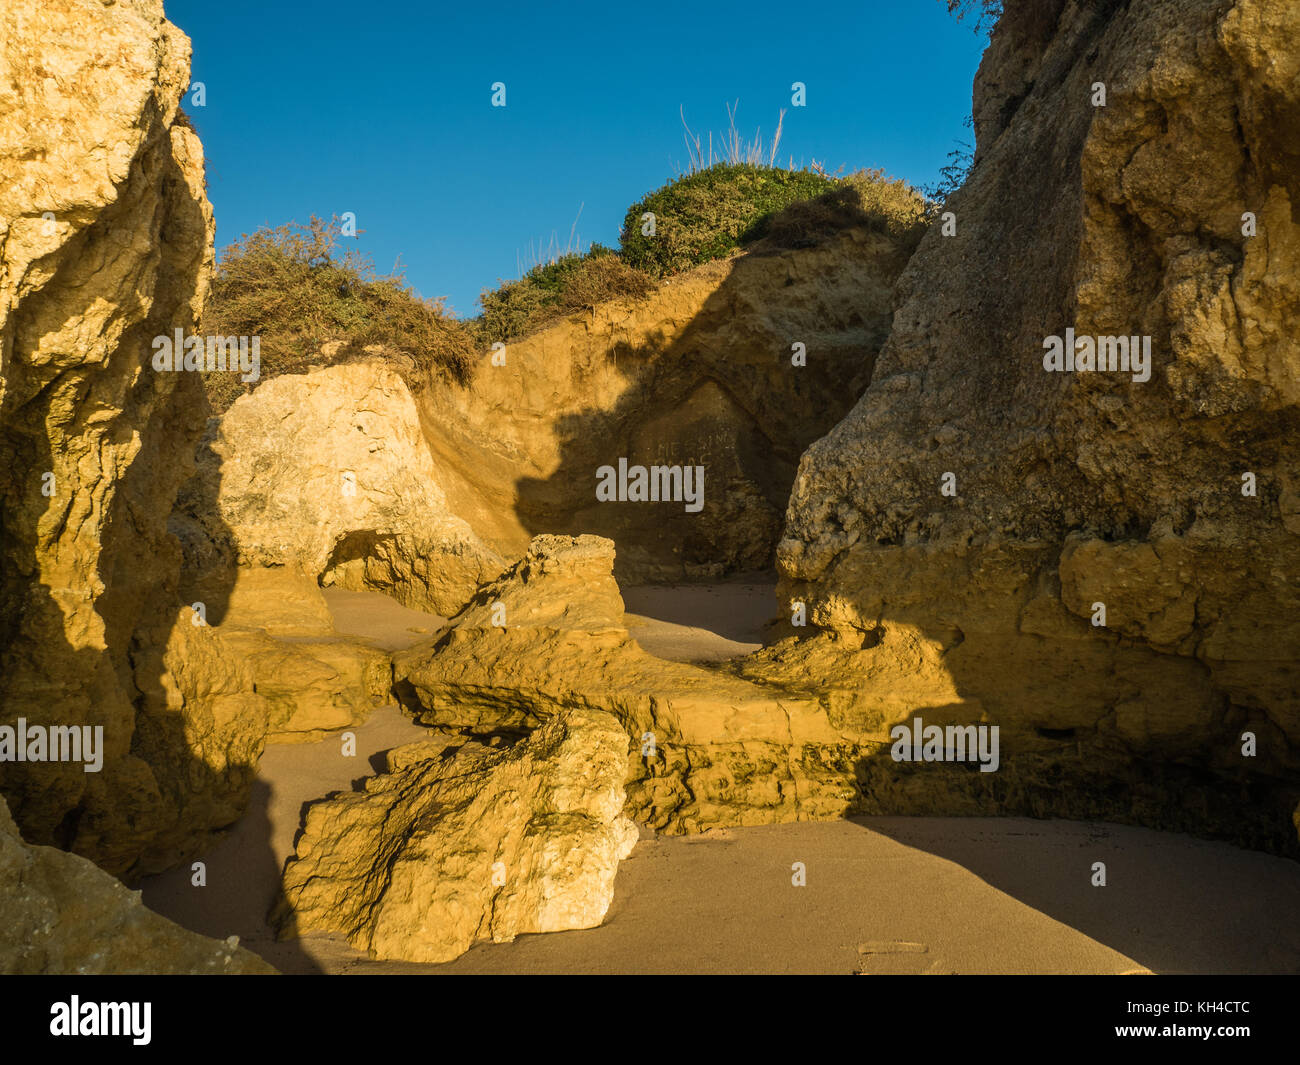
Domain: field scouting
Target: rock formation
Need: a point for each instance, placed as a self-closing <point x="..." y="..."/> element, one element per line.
<point x="63" y="915"/>
<point x="108" y="620"/>
<point x="273" y="669"/>
<point x="708" y="749"/>
<point x="977" y="512"/>
<point x="327" y="473"/>
<point x="1102" y="561"/>
<point x="105" y="243"/>
<point x="697" y="373"/>
<point x="457" y="844"/>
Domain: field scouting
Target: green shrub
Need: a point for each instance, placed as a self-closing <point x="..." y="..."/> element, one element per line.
<point x="291" y="287"/>
<point x="703" y="216"/>
<point x="708" y="214"/>
<point x="549" y="291"/>
<point x="866" y="198"/>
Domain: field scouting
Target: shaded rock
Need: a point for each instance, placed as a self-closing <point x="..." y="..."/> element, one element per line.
<point x="327" y="472"/>
<point x="697" y="373"/>
<point x="445" y="851"/>
<point x="63" y="915"/>
<point x="230" y="685"/>
<point x="105" y="244"/>
<point x="1087" y="488"/>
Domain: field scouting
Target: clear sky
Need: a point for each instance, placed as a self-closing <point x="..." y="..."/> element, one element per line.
<point x="384" y="109"/>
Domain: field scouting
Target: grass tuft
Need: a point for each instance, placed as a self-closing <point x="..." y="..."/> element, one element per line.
<point x="708" y="214"/>
<point x="552" y="290"/>
<point x="711" y="213"/>
<point x="867" y="199"/>
<point x="293" y="287"/>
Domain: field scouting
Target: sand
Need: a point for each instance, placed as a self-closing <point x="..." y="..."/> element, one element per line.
<point x="885" y="895"/>
<point x="700" y="623"/>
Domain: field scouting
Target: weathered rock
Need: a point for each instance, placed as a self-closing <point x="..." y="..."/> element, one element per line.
<point x="453" y="847"/>
<point x="698" y="373"/>
<point x="1078" y="489"/>
<point x="327" y="472"/>
<point x="708" y="749"/>
<point x="105" y="243"/>
<point x="261" y="664"/>
<point x="63" y="915"/>
<point x="275" y="647"/>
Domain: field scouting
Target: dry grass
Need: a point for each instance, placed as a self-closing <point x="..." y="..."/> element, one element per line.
<point x="552" y="290"/>
<point x="734" y="149"/>
<point x="294" y="288"/>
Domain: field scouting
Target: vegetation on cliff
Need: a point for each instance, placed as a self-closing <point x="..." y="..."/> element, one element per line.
<point x="295" y="288"/>
<point x="313" y="303"/>
<point x="701" y="216"/>
<point x="555" y="289"/>
<point x="709" y="214"/>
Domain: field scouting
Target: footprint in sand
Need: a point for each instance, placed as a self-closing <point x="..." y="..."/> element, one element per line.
<point x="896" y="957"/>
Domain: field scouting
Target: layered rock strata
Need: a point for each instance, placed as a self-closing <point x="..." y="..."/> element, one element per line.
<point x="1105" y="563"/>
<point x="708" y="748"/>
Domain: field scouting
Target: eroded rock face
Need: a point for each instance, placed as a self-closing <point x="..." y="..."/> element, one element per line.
<point x="327" y="473"/>
<point x="1079" y="489"/>
<point x="708" y="749"/>
<point x="698" y="374"/>
<point x="272" y="669"/>
<point x="457" y="844"/>
<point x="108" y="620"/>
<point x="63" y="915"/>
<point x="105" y="243"/>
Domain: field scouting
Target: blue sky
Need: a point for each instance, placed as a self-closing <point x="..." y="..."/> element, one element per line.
<point x="384" y="109"/>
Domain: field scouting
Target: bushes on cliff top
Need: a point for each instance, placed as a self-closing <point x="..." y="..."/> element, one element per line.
<point x="867" y="198"/>
<point x="708" y="214"/>
<point x="711" y="213"/>
<point x="293" y="288"/>
<point x="553" y="290"/>
<point x="704" y="215"/>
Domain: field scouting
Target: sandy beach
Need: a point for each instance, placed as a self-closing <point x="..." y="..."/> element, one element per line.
<point x="883" y="895"/>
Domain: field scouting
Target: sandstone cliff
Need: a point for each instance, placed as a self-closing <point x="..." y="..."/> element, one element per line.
<point x="105" y="243"/>
<point x="1131" y="218"/>
<point x="327" y="473"/>
<point x="697" y="373"/>
<point x="342" y="475"/>
<point x="105" y="622"/>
